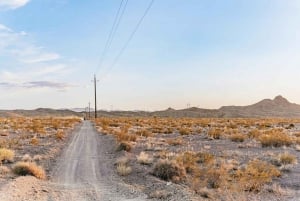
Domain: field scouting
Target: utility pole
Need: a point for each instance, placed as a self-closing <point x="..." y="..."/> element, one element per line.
<point x="95" y="86"/>
<point x="89" y="110"/>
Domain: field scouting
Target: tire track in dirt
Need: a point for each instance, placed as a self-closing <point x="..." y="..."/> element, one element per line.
<point x="85" y="170"/>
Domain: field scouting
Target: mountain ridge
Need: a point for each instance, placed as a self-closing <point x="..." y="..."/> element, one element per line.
<point x="278" y="107"/>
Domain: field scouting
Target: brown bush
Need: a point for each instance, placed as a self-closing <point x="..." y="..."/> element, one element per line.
<point x="256" y="174"/>
<point x="215" y="133"/>
<point x="34" y="141"/>
<point x="286" y="159"/>
<point x="27" y="168"/>
<point x="124" y="146"/>
<point x="6" y="155"/>
<point x="60" y="135"/>
<point x="169" y="171"/>
<point x="237" y="137"/>
<point x="275" y="139"/>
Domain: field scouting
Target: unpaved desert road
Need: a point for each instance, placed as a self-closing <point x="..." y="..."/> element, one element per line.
<point x="85" y="170"/>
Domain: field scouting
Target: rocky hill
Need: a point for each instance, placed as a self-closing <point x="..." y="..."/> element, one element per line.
<point x="277" y="107"/>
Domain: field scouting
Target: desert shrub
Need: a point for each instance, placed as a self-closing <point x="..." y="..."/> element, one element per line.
<point x="4" y="170"/>
<point x="124" y="146"/>
<point x="256" y="174"/>
<point x="216" y="177"/>
<point x="60" y="135"/>
<point x="26" y="158"/>
<point x="275" y="139"/>
<point x="34" y="141"/>
<point x="169" y="171"/>
<point x="175" y="141"/>
<point x="184" y="131"/>
<point x="123" y="168"/>
<point x="188" y="160"/>
<point x="204" y="157"/>
<point x="6" y="155"/>
<point x="286" y="159"/>
<point x="27" y="168"/>
<point x="237" y="137"/>
<point x="144" y="133"/>
<point x="123" y="136"/>
<point x="168" y="130"/>
<point x="144" y="159"/>
<point x="215" y="133"/>
<point x="255" y="133"/>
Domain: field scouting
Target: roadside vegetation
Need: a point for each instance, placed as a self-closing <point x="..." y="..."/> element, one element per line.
<point x="213" y="158"/>
<point x="27" y="145"/>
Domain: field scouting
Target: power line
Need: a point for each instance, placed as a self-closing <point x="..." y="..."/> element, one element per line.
<point x="112" y="32"/>
<point x="130" y="38"/>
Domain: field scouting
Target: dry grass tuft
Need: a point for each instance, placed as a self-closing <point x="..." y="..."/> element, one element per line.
<point x="237" y="137"/>
<point x="34" y="141"/>
<point x="215" y="133"/>
<point x="28" y="168"/>
<point x="287" y="159"/>
<point x="144" y="159"/>
<point x="6" y="155"/>
<point x="169" y="171"/>
<point x="275" y="139"/>
<point x="159" y="194"/>
<point x="60" y="135"/>
<point x="124" y="146"/>
<point x="4" y="170"/>
<point x="123" y="169"/>
<point x="256" y="175"/>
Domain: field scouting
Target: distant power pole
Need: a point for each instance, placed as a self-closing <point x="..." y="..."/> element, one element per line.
<point x="95" y="87"/>
<point x="89" y="110"/>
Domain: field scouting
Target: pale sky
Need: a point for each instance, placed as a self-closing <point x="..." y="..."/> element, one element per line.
<point x="206" y="53"/>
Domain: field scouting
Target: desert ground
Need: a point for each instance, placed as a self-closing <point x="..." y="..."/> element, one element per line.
<point x="149" y="158"/>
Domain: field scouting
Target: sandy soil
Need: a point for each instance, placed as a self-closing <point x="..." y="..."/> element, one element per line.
<point x="85" y="172"/>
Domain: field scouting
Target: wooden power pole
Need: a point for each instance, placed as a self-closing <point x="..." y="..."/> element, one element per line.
<point x="95" y="87"/>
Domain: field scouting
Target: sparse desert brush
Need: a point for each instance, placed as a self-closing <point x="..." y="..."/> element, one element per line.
<point x="275" y="139"/>
<point x="169" y="171"/>
<point x="122" y="136"/>
<point x="123" y="168"/>
<point x="34" y="141"/>
<point x="28" y="168"/>
<point x="188" y="160"/>
<point x="287" y="159"/>
<point x="214" y="133"/>
<point x="184" y="131"/>
<point x="26" y="158"/>
<point x="60" y="135"/>
<point x="144" y="133"/>
<point x="255" y="133"/>
<point x="175" y="141"/>
<point x="205" y="157"/>
<point x="168" y="130"/>
<point x="256" y="174"/>
<point x="4" y="170"/>
<point x="144" y="158"/>
<point x="237" y="137"/>
<point x="124" y="146"/>
<point x="6" y="155"/>
<point x="216" y="176"/>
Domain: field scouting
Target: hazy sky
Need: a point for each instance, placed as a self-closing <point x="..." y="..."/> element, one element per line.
<point x="205" y="53"/>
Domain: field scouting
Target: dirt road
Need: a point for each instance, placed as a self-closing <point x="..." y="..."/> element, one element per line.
<point x="84" y="172"/>
<point x="86" y="169"/>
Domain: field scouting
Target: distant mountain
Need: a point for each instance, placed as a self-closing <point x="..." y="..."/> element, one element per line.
<point x="278" y="107"/>
<point x="40" y="112"/>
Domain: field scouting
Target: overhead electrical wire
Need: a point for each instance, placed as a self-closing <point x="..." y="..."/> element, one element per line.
<point x="129" y="39"/>
<point x="112" y="32"/>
